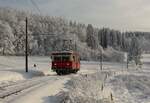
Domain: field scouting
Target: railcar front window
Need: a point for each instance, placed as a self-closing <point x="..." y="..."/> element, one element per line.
<point x="65" y="58"/>
<point x="57" y="58"/>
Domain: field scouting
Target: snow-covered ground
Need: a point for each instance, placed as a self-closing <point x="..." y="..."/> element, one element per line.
<point x="131" y="85"/>
<point x="122" y="85"/>
<point x="38" y="85"/>
<point x="41" y="85"/>
<point x="130" y="88"/>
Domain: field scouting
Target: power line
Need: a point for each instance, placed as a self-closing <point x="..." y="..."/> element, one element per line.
<point x="36" y="6"/>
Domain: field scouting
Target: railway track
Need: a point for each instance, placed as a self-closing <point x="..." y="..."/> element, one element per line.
<point x="10" y="84"/>
<point x="8" y="90"/>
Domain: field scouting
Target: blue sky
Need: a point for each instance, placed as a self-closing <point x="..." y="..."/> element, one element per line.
<point x="122" y="15"/>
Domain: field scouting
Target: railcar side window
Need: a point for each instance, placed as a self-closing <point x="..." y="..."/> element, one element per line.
<point x="74" y="58"/>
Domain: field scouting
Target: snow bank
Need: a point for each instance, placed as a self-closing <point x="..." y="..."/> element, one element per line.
<point x="12" y="68"/>
<point x="111" y="54"/>
<point x="10" y="76"/>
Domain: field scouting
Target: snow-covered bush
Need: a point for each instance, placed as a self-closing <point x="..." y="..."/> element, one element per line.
<point x="111" y="54"/>
<point x="84" y="89"/>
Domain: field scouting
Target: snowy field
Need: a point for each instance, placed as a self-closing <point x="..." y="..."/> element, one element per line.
<point x="40" y="85"/>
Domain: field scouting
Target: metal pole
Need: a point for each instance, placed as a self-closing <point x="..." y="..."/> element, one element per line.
<point x="101" y="60"/>
<point x="127" y="62"/>
<point x="101" y="57"/>
<point x="75" y="46"/>
<point x="26" y="46"/>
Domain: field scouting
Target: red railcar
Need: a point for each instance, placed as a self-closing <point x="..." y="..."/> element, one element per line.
<point x="65" y="62"/>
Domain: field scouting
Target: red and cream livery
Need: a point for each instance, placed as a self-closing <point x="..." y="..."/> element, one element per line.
<point x="65" y="62"/>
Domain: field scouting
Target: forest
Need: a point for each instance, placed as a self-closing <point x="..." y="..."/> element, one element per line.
<point x="46" y="34"/>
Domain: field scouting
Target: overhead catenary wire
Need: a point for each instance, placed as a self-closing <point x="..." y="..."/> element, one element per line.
<point x="36" y="6"/>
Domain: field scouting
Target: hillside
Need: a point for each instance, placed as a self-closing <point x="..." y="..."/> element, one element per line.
<point x="46" y="34"/>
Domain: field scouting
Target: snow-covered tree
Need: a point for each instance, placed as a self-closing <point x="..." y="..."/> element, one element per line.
<point x="91" y="41"/>
<point x="6" y="39"/>
<point x="135" y="51"/>
<point x="102" y="37"/>
<point x="87" y="37"/>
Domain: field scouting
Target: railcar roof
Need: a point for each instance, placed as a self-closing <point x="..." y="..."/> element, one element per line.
<point x="64" y="52"/>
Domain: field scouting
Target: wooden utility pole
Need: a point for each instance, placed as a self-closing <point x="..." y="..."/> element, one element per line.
<point x="26" y="46"/>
